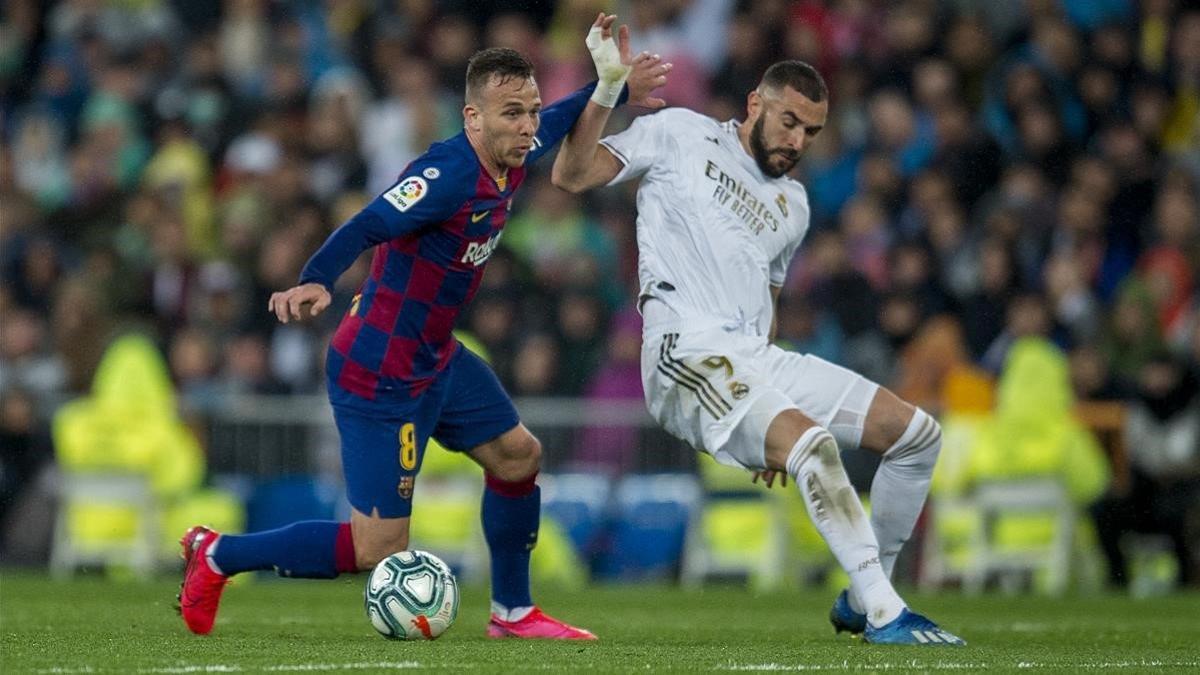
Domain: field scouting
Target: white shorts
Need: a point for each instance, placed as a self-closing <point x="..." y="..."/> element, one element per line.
<point x="719" y="391"/>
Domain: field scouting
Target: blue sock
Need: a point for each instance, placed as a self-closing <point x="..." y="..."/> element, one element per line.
<point x="510" y="525"/>
<point x="308" y="549"/>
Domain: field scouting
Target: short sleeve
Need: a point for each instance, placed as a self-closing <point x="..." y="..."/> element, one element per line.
<point x="637" y="147"/>
<point x="781" y="263"/>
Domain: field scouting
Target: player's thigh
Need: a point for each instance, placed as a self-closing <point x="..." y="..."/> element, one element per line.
<point x="887" y="420"/>
<point x="479" y="418"/>
<point x="375" y="537"/>
<point x="381" y="456"/>
<point x="837" y="398"/>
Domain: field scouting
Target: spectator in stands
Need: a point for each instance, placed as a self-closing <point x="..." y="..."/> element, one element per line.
<point x="26" y="362"/>
<point x="34" y="273"/>
<point x="1091" y="377"/>
<point x="835" y="286"/>
<point x="560" y="242"/>
<point x="805" y="329"/>
<point x="911" y="270"/>
<point x="983" y="311"/>
<point x="1132" y="336"/>
<point x="935" y="350"/>
<point x="248" y="368"/>
<point x="581" y="328"/>
<point x="1027" y="316"/>
<point x="535" y="369"/>
<point x="1162" y="434"/>
<point x="24" y="452"/>
<point x="612" y="449"/>
<point x="192" y="359"/>
<point x="492" y="319"/>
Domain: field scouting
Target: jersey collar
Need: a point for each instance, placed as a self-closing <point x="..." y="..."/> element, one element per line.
<point x="731" y="127"/>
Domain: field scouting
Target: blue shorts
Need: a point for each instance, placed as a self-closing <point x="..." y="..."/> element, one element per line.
<point x="382" y="450"/>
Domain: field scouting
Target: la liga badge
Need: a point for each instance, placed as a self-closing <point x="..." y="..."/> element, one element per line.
<point x="407" y="192"/>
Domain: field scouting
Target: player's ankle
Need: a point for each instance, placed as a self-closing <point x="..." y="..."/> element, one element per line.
<point x="510" y="614"/>
<point x="210" y="557"/>
<point x="880" y="603"/>
<point x="856" y="605"/>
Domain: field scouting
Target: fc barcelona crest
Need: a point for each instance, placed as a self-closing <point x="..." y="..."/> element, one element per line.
<point x="405" y="487"/>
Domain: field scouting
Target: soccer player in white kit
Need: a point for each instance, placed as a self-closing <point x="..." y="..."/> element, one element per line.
<point x="718" y="223"/>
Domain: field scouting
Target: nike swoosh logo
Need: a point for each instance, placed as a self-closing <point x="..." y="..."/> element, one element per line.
<point x="476" y="217"/>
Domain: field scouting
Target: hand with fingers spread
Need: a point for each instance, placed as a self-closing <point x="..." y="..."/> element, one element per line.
<point x="615" y="67"/>
<point x="648" y="73"/>
<point x="299" y="302"/>
<point x="768" y="478"/>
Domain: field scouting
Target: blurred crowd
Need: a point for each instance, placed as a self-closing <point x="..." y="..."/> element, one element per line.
<point x="990" y="171"/>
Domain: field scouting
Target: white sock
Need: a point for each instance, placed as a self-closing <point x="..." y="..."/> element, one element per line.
<point x="505" y="614"/>
<point x="900" y="487"/>
<point x="833" y="505"/>
<point x="208" y="556"/>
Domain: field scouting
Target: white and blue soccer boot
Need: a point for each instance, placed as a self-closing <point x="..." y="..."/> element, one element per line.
<point x="911" y="628"/>
<point x="845" y="619"/>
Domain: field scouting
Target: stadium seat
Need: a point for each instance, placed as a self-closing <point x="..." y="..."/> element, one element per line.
<point x="652" y="515"/>
<point x="1025" y="528"/>
<point x="946" y="547"/>
<point x="1010" y="485"/>
<point x="579" y="503"/>
<point x="738" y="531"/>
<point x="127" y="462"/>
<point x="105" y="518"/>
<point x="285" y="500"/>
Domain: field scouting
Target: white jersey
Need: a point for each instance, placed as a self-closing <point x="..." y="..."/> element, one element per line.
<point x="714" y="233"/>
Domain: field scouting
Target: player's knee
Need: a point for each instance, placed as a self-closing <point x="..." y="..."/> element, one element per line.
<point x="890" y="422"/>
<point x="816" y="448"/>
<point x="785" y="430"/>
<point x="523" y="460"/>
<point x="920" y="444"/>
<point x="518" y="458"/>
<point x="821" y="444"/>
<point x="931" y="446"/>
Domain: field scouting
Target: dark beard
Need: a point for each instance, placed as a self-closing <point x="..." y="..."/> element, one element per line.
<point x="762" y="156"/>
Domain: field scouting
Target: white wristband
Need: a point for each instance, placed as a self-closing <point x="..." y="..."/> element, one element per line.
<point x="607" y="93"/>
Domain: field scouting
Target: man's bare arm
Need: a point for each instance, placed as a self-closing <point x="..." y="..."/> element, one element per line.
<point x="577" y="169"/>
<point x="583" y="163"/>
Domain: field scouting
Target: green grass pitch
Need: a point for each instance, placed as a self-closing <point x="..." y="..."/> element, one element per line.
<point x="95" y="626"/>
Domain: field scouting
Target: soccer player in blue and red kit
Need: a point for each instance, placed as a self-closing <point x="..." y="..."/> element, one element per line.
<point x="397" y="376"/>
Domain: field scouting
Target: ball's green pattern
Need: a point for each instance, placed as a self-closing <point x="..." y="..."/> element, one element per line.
<point x="411" y="595"/>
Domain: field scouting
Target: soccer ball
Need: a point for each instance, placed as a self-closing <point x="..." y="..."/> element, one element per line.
<point x="411" y="595"/>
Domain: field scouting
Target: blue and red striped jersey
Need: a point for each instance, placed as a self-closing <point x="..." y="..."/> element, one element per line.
<point x="433" y="232"/>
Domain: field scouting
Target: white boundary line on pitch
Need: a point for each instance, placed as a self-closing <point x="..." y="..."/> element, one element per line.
<point x="950" y="665"/>
<point x="222" y="668"/>
<point x="286" y="668"/>
<point x="751" y="667"/>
